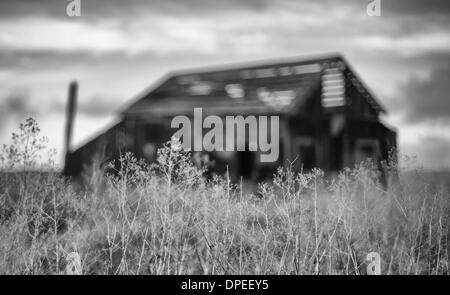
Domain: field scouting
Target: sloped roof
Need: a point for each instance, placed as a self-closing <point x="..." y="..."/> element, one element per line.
<point x="263" y="87"/>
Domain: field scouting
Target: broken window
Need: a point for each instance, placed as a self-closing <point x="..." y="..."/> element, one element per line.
<point x="333" y="88"/>
<point x="235" y="91"/>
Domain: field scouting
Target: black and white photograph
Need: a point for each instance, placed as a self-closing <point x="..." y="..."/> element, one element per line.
<point x="222" y="139"/>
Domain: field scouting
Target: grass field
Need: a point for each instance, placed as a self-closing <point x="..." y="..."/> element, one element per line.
<point x="168" y="219"/>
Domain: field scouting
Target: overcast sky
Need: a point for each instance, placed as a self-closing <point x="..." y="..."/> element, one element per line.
<point x="116" y="49"/>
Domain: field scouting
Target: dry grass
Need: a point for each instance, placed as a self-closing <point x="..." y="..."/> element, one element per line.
<point x="168" y="219"/>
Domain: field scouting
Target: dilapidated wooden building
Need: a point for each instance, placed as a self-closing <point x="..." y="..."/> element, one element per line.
<point x="328" y="118"/>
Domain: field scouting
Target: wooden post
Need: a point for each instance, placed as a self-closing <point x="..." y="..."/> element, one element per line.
<point x="70" y="112"/>
<point x="70" y="118"/>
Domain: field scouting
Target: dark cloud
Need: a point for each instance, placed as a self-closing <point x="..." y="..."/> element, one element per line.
<point x="16" y="105"/>
<point x="13" y="9"/>
<point x="95" y="106"/>
<point x="427" y="99"/>
<point x="400" y="18"/>
<point x="131" y="8"/>
<point x="20" y="105"/>
<point x="415" y="7"/>
<point x="99" y="8"/>
<point x="98" y="106"/>
<point x="53" y="59"/>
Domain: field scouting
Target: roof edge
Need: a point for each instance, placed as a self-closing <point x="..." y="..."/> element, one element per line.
<point x="251" y="65"/>
<point x="254" y="64"/>
<point x="364" y="85"/>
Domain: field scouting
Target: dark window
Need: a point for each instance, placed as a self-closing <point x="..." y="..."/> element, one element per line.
<point x="246" y="163"/>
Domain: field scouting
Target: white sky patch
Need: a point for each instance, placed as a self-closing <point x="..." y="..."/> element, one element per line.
<point x="166" y="35"/>
<point x="414" y="133"/>
<point x="408" y="45"/>
<point x="88" y="127"/>
<point x="159" y="35"/>
<point x="59" y="35"/>
<point x="417" y="141"/>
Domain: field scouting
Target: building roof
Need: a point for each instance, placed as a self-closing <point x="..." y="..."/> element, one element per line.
<point x="279" y="86"/>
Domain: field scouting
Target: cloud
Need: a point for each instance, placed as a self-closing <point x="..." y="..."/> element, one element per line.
<point x="166" y="27"/>
<point x="432" y="151"/>
<point x="426" y="99"/>
<point x="163" y="35"/>
<point x="18" y="102"/>
<point x="99" y="8"/>
<point x="20" y="105"/>
<point x="113" y="8"/>
<point x="431" y="42"/>
<point x="37" y="60"/>
<point x="40" y="34"/>
<point x="15" y="107"/>
<point x="417" y="7"/>
<point x="98" y="106"/>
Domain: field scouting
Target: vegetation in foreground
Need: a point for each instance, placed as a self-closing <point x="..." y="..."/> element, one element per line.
<point x="169" y="219"/>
